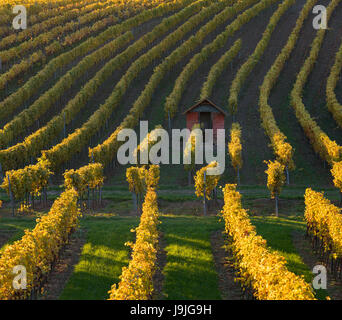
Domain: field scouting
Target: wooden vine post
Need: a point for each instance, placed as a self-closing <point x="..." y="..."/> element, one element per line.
<point x="215" y="195"/>
<point x="287" y="175"/>
<point x="88" y="198"/>
<point x="94" y="198"/>
<point x="169" y="118"/>
<point x="276" y="204"/>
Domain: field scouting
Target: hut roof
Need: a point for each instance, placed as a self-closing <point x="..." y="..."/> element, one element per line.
<point x="203" y="102"/>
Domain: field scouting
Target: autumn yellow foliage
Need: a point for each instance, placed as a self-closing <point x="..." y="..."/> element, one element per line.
<point x="136" y="280"/>
<point x="90" y="176"/>
<point x="29" y="180"/>
<point x="235" y="146"/>
<point x="275" y="177"/>
<point x="136" y="179"/>
<point x="140" y="178"/>
<point x="39" y="248"/>
<point x="152" y="177"/>
<point x="210" y="183"/>
<point x="336" y="172"/>
<point x="262" y="271"/>
<point x="324" y="220"/>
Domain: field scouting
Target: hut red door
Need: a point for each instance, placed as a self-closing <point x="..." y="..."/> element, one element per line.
<point x="205" y="120"/>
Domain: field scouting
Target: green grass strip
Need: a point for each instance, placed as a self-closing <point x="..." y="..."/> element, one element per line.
<point x="190" y="271"/>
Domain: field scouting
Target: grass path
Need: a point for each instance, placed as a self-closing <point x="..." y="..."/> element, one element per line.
<point x="279" y="235"/>
<point x="189" y="257"/>
<point x="102" y="258"/>
<point x="15" y="227"/>
<point x="190" y="272"/>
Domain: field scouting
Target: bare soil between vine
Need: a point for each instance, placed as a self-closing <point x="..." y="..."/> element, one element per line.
<point x="230" y="290"/>
<point x="158" y="278"/>
<point x="64" y="267"/>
